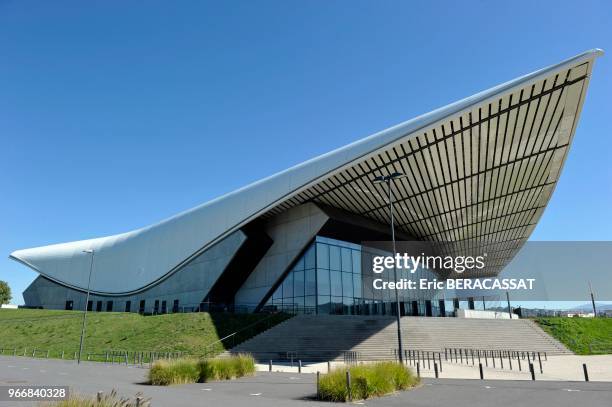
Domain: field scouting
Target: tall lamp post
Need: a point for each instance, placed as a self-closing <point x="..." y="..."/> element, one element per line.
<point x="387" y="179"/>
<point x="593" y="300"/>
<point x="92" y="252"/>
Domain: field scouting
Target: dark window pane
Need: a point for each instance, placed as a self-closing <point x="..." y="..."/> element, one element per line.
<point x="310" y="301"/>
<point x="323" y="281"/>
<point x="323" y="304"/>
<point x="347" y="284"/>
<point x="288" y="286"/>
<point x="357" y="286"/>
<point x="311" y="282"/>
<point x="334" y="257"/>
<point x="298" y="282"/>
<point x="322" y="256"/>
<point x="336" y="283"/>
<point x="356" y="261"/>
<point x="309" y="258"/>
<point x="336" y="305"/>
<point x="347" y="262"/>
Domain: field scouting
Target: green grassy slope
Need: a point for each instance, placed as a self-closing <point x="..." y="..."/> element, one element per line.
<point x="60" y="330"/>
<point x="584" y="336"/>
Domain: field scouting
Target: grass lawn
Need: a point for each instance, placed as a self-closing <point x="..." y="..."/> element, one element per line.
<point x="183" y="332"/>
<point x="583" y="336"/>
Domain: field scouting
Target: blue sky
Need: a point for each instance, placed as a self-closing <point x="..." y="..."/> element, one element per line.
<point x="116" y="114"/>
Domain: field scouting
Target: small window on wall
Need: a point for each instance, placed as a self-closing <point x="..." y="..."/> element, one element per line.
<point x="109" y="306"/>
<point x="175" y="306"/>
<point x="69" y="305"/>
<point x="128" y="306"/>
<point x="156" y="307"/>
<point x="164" y="308"/>
<point x="141" y="307"/>
<point x="89" y="305"/>
<point x="99" y="306"/>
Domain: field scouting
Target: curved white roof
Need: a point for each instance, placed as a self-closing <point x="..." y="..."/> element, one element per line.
<point x="131" y="261"/>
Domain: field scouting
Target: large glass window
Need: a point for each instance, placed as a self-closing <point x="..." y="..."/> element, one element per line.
<point x="328" y="279"/>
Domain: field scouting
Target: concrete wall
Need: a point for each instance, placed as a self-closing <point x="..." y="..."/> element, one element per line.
<point x="291" y="231"/>
<point x="189" y="285"/>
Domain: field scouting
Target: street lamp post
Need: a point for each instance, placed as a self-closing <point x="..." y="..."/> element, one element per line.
<point x="387" y="180"/>
<point x="90" y="251"/>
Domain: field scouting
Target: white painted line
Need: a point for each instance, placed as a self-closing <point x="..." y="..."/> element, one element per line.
<point x="489" y="387"/>
<point x="294" y="378"/>
<point x="255" y="394"/>
<point x="206" y="389"/>
<point x="571" y="389"/>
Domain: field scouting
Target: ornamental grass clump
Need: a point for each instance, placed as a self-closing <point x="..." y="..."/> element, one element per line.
<point x="226" y="368"/>
<point x="368" y="380"/>
<point x="181" y="371"/>
<point x="178" y="371"/>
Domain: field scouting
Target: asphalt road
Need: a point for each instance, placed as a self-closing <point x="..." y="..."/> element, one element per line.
<point x="287" y="389"/>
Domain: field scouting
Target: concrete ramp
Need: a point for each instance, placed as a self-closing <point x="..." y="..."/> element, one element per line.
<point x="329" y="337"/>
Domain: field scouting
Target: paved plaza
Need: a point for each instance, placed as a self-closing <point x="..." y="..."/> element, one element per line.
<point x="293" y="389"/>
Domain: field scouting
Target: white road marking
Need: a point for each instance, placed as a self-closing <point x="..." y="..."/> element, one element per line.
<point x="294" y="378"/>
<point x="489" y="387"/>
<point x="571" y="389"/>
<point x="10" y="366"/>
<point x="255" y="394"/>
<point x="206" y="389"/>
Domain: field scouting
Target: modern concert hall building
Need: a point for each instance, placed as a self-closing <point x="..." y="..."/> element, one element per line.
<point x="480" y="169"/>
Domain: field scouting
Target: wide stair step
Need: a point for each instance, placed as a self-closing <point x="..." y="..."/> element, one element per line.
<point x="328" y="337"/>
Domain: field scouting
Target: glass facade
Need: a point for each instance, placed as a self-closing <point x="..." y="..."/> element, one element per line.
<point x="329" y="279"/>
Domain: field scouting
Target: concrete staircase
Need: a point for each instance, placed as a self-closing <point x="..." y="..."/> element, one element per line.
<point x="328" y="337"/>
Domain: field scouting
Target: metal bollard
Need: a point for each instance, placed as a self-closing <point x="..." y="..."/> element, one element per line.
<point x="300" y="366"/>
<point x="62" y="354"/>
<point x="480" y="368"/>
<point x="532" y="371"/>
<point x="586" y="373"/>
<point x="138" y="401"/>
<point x="510" y="360"/>
<point x="493" y="359"/>
<point x="436" y="369"/>
<point x="519" y="363"/>
<point x="348" y="385"/>
<point x="328" y="366"/>
<point x="418" y="369"/>
<point x="99" y="396"/>
<point x="540" y="362"/>
<point x="318" y="388"/>
<point x="440" y="360"/>
<point x="270" y="366"/>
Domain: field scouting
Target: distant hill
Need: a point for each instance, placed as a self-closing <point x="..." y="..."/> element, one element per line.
<point x="589" y="307"/>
